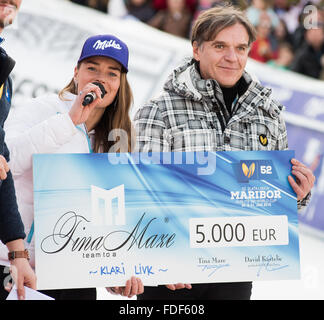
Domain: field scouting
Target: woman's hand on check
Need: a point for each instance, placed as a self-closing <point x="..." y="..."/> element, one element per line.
<point x="133" y="287"/>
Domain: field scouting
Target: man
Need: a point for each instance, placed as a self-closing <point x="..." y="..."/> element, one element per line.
<point x="211" y="104"/>
<point x="11" y="226"/>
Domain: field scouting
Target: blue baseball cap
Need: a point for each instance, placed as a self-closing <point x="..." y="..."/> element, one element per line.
<point x="106" y="45"/>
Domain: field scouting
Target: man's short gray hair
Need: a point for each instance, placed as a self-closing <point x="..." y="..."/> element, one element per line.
<point x="212" y="21"/>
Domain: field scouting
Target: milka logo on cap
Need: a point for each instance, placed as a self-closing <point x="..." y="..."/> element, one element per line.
<point x="106" y="44"/>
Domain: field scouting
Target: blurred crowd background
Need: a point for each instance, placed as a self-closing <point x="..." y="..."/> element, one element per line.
<point x="290" y="33"/>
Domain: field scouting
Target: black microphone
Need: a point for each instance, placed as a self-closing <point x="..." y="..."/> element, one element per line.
<point x="91" y="96"/>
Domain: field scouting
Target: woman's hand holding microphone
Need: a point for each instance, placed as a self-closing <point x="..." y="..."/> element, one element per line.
<point x="80" y="113"/>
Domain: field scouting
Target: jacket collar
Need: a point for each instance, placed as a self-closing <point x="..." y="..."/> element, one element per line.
<point x="187" y="82"/>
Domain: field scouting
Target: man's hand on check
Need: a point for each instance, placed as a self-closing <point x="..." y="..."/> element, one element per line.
<point x="305" y="179"/>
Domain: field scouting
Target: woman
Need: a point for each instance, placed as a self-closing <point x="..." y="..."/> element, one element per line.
<point x="61" y="124"/>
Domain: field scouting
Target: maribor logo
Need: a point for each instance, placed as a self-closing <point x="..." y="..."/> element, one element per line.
<point x="248" y="171"/>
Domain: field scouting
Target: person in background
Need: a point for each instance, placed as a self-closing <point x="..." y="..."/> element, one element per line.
<point x="285" y="57"/>
<point x="100" y="5"/>
<point x="175" y="19"/>
<point x="280" y="35"/>
<point x="140" y="9"/>
<point x="117" y="8"/>
<point x="59" y="123"/>
<point x="11" y="227"/>
<point x="258" y="7"/>
<point x="203" y="5"/>
<point x="81" y="2"/>
<point x="261" y="49"/>
<point x="162" y="4"/>
<point x="308" y="58"/>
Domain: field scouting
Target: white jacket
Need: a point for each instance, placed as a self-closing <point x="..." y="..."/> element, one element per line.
<point x="42" y="125"/>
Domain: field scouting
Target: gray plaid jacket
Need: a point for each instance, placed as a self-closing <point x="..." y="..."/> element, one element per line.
<point x="190" y="115"/>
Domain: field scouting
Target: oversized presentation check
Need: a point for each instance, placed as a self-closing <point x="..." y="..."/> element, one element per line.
<point x="164" y="217"/>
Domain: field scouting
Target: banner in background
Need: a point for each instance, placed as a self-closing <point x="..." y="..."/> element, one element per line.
<point x="46" y="41"/>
